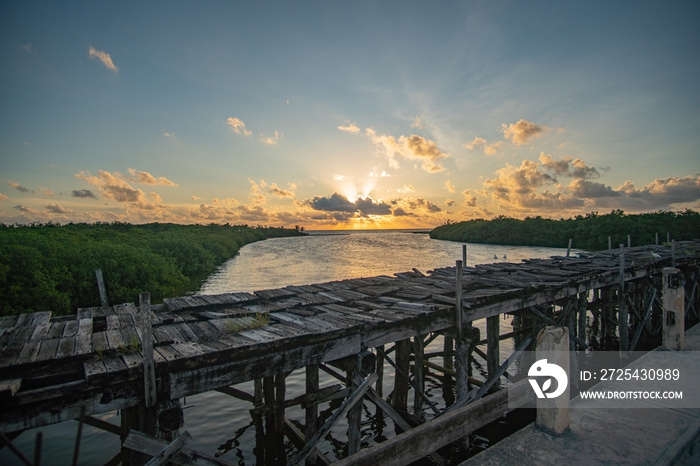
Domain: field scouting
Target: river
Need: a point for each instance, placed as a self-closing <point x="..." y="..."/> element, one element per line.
<point x="221" y="425"/>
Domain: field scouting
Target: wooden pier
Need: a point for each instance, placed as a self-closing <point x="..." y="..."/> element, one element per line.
<point x="143" y="359"/>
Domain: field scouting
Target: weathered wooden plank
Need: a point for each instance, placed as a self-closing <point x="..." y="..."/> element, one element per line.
<point x="56" y="330"/>
<point x="432" y="435"/>
<point x="140" y="442"/>
<point x="66" y="348"/>
<point x="48" y="350"/>
<point x="115" y="340"/>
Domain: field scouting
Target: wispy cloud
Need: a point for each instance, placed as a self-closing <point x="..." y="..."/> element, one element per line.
<point x="349" y="127"/>
<point x="412" y="147"/>
<point x="272" y="141"/>
<point x="145" y="178"/>
<point x="237" y="126"/>
<point x="3" y="197"/>
<point x="57" y="209"/>
<point x="279" y="192"/>
<point x="104" y="57"/>
<point x="19" y="187"/>
<point x="449" y="186"/>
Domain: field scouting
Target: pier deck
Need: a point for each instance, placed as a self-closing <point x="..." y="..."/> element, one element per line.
<point x="644" y="435"/>
<point x="55" y="368"/>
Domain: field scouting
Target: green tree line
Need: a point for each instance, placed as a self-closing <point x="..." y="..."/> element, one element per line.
<point x="51" y="267"/>
<point x="588" y="232"/>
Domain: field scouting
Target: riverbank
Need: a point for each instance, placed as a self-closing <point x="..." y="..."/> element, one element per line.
<point x="51" y="267"/>
<point x="593" y="232"/>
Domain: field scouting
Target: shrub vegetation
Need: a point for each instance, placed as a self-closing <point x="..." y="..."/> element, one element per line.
<point x="51" y="267"/>
<point x="589" y="232"/>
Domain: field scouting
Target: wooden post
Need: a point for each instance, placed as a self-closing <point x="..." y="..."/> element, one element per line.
<point x="379" y="415"/>
<point x="629" y="241"/>
<point x="568" y="249"/>
<point x="673" y="253"/>
<point x="403" y="355"/>
<point x="657" y="238"/>
<point x="609" y="243"/>
<point x="418" y="375"/>
<point x="492" y="346"/>
<point x="464" y="254"/>
<point x="101" y="288"/>
<point x="258" y="396"/>
<point x="354" y="413"/>
<point x="462" y="367"/>
<point x="673" y="336"/>
<point x="149" y="367"/>
<point x="458" y="300"/>
<point x="553" y="348"/>
<point x="623" y="312"/>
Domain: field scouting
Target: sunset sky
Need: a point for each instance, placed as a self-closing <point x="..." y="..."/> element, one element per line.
<point x="346" y="114"/>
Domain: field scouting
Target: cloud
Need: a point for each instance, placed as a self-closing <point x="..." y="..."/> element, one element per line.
<point x="272" y="141"/>
<point x="279" y="192"/>
<point x="256" y="191"/>
<point x="26" y="210"/>
<point x="522" y="132"/>
<point x="591" y="190"/>
<point x="406" y="189"/>
<point x="114" y="187"/>
<point x="84" y="194"/>
<point x="227" y="201"/>
<point x="237" y="126"/>
<point x="377" y="174"/>
<point x="400" y="212"/>
<point x="417" y="123"/>
<point x="3" y="197"/>
<point x="575" y="168"/>
<point x="145" y="178"/>
<point x="449" y="186"/>
<point x="169" y="135"/>
<point x="413" y="148"/>
<point x="660" y="193"/>
<point x="337" y="177"/>
<point x="104" y="57"/>
<point x="489" y="149"/>
<point x="469" y="198"/>
<point x="57" y="209"/>
<point x="349" y="127"/>
<point x="19" y="187"/>
<point x="339" y="203"/>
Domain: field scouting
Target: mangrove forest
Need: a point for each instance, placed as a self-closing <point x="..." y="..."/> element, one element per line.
<point x="51" y="267"/>
<point x="592" y="232"/>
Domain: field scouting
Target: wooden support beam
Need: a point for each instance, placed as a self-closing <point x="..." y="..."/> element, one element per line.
<point x="418" y="376"/>
<point x="307" y="400"/>
<point x="236" y="393"/>
<point x="356" y="396"/>
<point x="170" y="450"/>
<point x="622" y="310"/>
<point x="354" y="413"/>
<point x="492" y="347"/>
<point x="142" y="443"/>
<point x="437" y="433"/>
<point x="299" y="440"/>
<point x="311" y="414"/>
<point x="401" y="383"/>
<point x="149" y="366"/>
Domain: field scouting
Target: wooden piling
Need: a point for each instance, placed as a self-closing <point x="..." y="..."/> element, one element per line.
<point x="401" y="384"/>
<point x="553" y="348"/>
<point x="418" y="375"/>
<point x="673" y="336"/>
<point x="623" y="313"/>
<point x="355" y="412"/>
<point x="492" y="346"/>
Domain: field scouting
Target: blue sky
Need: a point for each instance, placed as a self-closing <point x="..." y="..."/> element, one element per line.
<point x="346" y="115"/>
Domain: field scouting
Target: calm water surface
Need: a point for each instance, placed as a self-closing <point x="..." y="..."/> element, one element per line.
<point x="221" y="425"/>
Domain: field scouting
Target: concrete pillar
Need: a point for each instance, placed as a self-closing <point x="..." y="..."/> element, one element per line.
<point x="552" y="358"/>
<point x="673" y="335"/>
